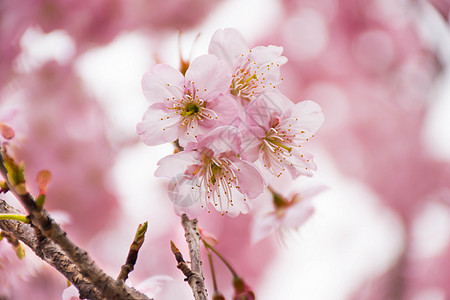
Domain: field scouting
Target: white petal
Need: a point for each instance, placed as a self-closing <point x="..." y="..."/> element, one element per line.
<point x="186" y="195"/>
<point x="267" y="63"/>
<point x="70" y="293"/>
<point x="176" y="164"/>
<point x="263" y="226"/>
<point x="157" y="126"/>
<point x="162" y="82"/>
<point x="228" y="44"/>
<point x="309" y="115"/>
<point x="261" y="110"/>
<point x="297" y="214"/>
<point x="210" y="75"/>
<point x="152" y="286"/>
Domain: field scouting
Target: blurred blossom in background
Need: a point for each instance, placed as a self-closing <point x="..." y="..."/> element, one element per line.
<point x="70" y="75"/>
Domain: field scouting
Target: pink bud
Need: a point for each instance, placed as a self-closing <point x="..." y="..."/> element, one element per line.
<point x="7" y="131"/>
<point x="43" y="179"/>
<point x="241" y="290"/>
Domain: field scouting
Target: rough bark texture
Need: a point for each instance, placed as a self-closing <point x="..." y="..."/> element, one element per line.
<point x="195" y="280"/>
<point x="48" y="251"/>
<point x="46" y="230"/>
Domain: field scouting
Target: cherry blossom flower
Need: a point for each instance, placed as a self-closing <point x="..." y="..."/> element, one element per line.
<point x="255" y="71"/>
<point x="184" y="107"/>
<point x="286" y="215"/>
<point x="212" y="172"/>
<point x="279" y="134"/>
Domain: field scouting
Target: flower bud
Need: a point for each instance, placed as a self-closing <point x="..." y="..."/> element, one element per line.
<point x="241" y="290"/>
<point x="7" y="131"/>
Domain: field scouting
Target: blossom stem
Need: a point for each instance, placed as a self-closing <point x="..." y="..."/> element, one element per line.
<point x="213" y="273"/>
<point x="16" y="217"/>
<point x="278" y="200"/>
<point x="221" y="258"/>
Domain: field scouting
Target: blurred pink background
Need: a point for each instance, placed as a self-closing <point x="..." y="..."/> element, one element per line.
<point x="70" y="74"/>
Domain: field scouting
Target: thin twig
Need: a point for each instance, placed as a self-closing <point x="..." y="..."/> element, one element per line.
<point x="221" y="258"/>
<point x="182" y="265"/>
<point x="196" y="282"/>
<point x="133" y="253"/>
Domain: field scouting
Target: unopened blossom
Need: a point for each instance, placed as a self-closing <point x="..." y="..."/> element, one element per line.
<point x="185" y="106"/>
<point x="212" y="173"/>
<point x="242" y="291"/>
<point x="255" y="71"/>
<point x="288" y="214"/>
<point x="280" y="127"/>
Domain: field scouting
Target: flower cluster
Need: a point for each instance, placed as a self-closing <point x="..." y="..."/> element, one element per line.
<point x="236" y="129"/>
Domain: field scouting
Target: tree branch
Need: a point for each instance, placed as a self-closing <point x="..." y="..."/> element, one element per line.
<point x="196" y="281"/>
<point x="48" y="251"/>
<point x="39" y="217"/>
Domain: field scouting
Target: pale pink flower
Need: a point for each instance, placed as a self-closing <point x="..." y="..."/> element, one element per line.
<point x="279" y="134"/>
<point x="255" y="71"/>
<point x="214" y="173"/>
<point x="286" y="215"/>
<point x="185" y="106"/>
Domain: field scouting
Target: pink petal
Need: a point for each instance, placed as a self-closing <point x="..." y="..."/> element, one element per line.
<point x="210" y="75"/>
<point x="174" y="164"/>
<point x="221" y="139"/>
<point x="263" y="226"/>
<point x="309" y="115"/>
<point x="250" y="180"/>
<point x="252" y="141"/>
<point x="240" y="206"/>
<point x="156" y="128"/>
<point x="71" y="293"/>
<point x="303" y="164"/>
<point x="297" y="214"/>
<point x="264" y="55"/>
<point x="228" y="44"/>
<point x="152" y="286"/>
<point x="186" y="195"/>
<point x="226" y="109"/>
<point x="162" y="82"/>
<point x="261" y="110"/>
<point x="269" y="61"/>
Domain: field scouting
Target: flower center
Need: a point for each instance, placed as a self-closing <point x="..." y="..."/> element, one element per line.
<point x="275" y="140"/>
<point x="244" y="84"/>
<point x="191" y="108"/>
<point x="218" y="179"/>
